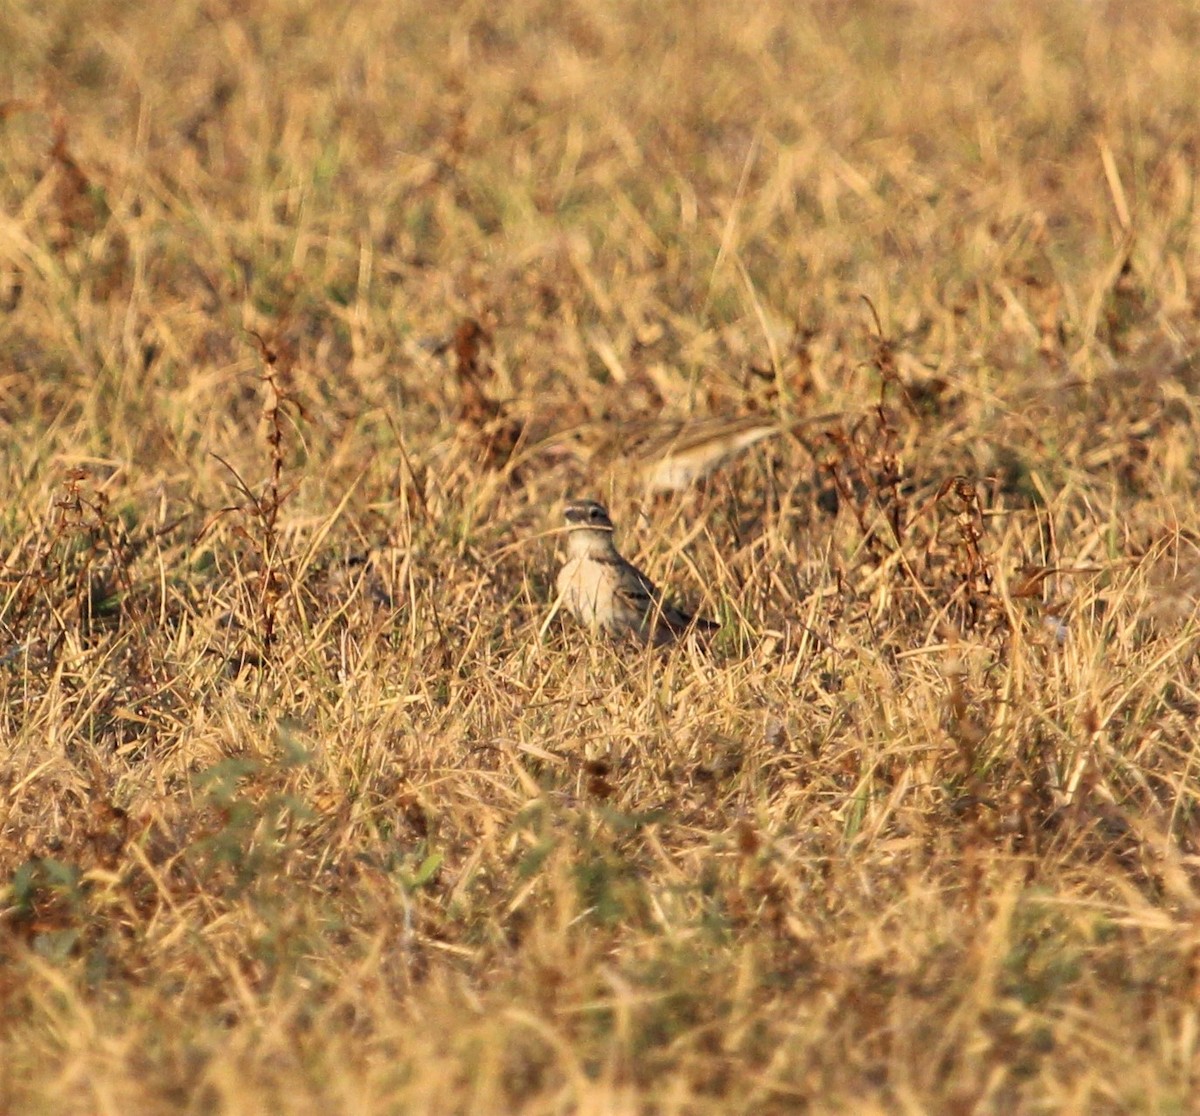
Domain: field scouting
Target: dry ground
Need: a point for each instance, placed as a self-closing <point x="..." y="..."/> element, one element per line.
<point x="286" y="832"/>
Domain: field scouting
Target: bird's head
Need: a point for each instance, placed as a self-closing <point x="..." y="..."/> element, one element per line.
<point x="587" y="515"/>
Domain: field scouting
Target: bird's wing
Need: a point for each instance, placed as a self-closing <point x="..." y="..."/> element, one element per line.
<point x="635" y="588"/>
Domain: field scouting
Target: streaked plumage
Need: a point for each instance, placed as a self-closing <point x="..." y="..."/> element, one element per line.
<point x="605" y="592"/>
<point x="671" y="455"/>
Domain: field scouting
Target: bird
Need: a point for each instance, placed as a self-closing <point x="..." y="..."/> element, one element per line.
<point x="605" y="592"/>
<point x="671" y="455"/>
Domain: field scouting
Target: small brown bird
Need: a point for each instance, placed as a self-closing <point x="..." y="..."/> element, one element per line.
<point x="670" y="456"/>
<point x="605" y="592"/>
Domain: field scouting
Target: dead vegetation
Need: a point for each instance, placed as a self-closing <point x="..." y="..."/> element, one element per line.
<point x="300" y="812"/>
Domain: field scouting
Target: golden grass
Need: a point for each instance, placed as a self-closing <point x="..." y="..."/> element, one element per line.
<point x="280" y="833"/>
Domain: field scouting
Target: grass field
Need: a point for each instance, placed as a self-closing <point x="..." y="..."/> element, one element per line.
<point x="310" y="318"/>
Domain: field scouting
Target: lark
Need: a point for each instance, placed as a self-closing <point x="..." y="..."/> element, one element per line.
<point x="605" y="592"/>
<point x="671" y="456"/>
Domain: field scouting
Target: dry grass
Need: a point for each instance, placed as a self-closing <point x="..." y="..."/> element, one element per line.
<point x="285" y="833"/>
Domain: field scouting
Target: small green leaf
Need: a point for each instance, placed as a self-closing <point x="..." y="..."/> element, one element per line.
<point x="428" y="869"/>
